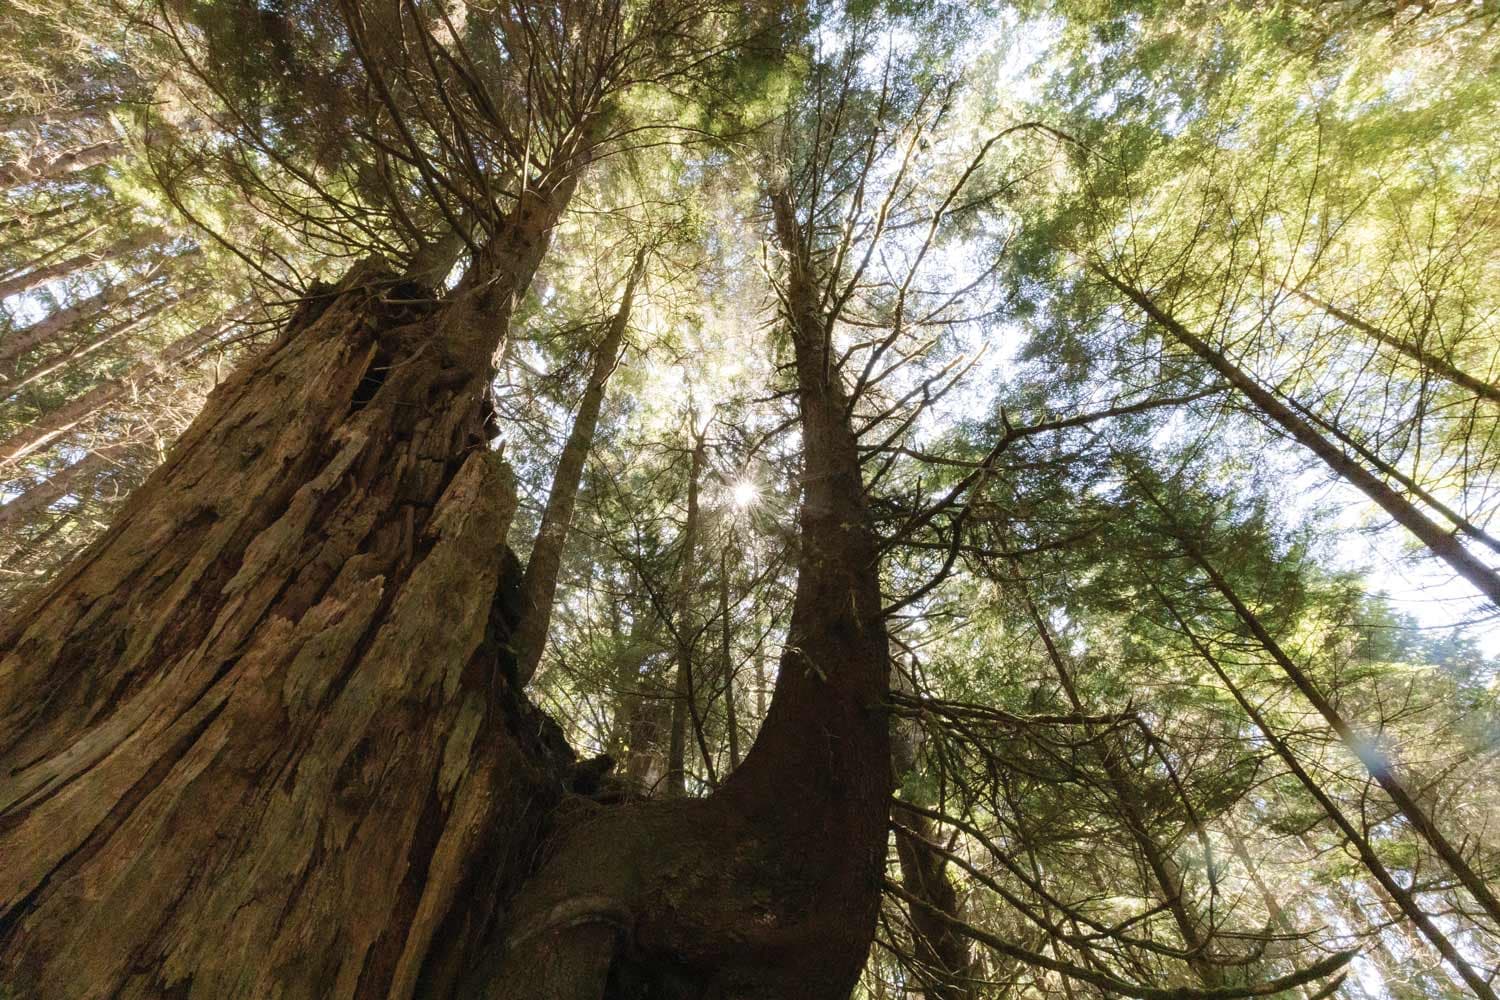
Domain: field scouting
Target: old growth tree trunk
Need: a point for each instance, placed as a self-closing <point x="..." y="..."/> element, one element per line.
<point x="252" y="740"/>
<point x="264" y="738"/>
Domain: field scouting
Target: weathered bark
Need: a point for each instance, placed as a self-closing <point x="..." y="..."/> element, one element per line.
<point x="1415" y="352"/>
<point x="539" y="585"/>
<point x="53" y="425"/>
<point x="1440" y="542"/>
<point x="1403" y="898"/>
<point x="50" y="165"/>
<point x="264" y="739"/>
<point x="44" y="273"/>
<point x="272" y="692"/>
<point x="684" y="690"/>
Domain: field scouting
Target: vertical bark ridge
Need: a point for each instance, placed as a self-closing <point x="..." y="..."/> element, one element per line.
<point x="306" y="636"/>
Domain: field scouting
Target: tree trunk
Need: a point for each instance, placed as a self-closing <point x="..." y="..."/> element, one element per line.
<point x="942" y="953"/>
<point x="1380" y="465"/>
<point x="94" y="341"/>
<point x="539" y="585"/>
<point x="264" y="738"/>
<point x="1167" y="874"/>
<point x="15" y="346"/>
<point x="726" y="660"/>
<point x="1441" y="543"/>
<point x="1414" y="352"/>
<point x="684" y="693"/>
<point x="43" y="493"/>
<point x="272" y="692"/>
<point x="38" y="276"/>
<point x="50" y="426"/>
<point x="769" y="888"/>
<point x="48" y="166"/>
<point x="1361" y="747"/>
<point x="1403" y="898"/>
<point x="943" y="956"/>
<point x="261" y="738"/>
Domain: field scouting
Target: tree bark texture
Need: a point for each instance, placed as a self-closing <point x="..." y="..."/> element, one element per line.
<point x="264" y="738"/>
<point x="252" y="736"/>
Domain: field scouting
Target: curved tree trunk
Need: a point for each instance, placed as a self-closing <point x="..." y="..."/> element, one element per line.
<point x="770" y="887"/>
<point x="264" y="738"/>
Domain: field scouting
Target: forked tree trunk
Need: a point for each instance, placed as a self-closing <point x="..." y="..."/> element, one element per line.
<point x="769" y="888"/>
<point x="263" y="738"/>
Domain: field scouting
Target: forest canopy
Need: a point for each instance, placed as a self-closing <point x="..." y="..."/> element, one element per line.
<point x="750" y="499"/>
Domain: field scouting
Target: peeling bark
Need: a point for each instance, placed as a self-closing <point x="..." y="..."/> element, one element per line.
<point x="265" y="738"/>
<point x="254" y="738"/>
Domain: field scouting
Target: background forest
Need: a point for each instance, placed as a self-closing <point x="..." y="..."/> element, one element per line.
<point x="1170" y="334"/>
